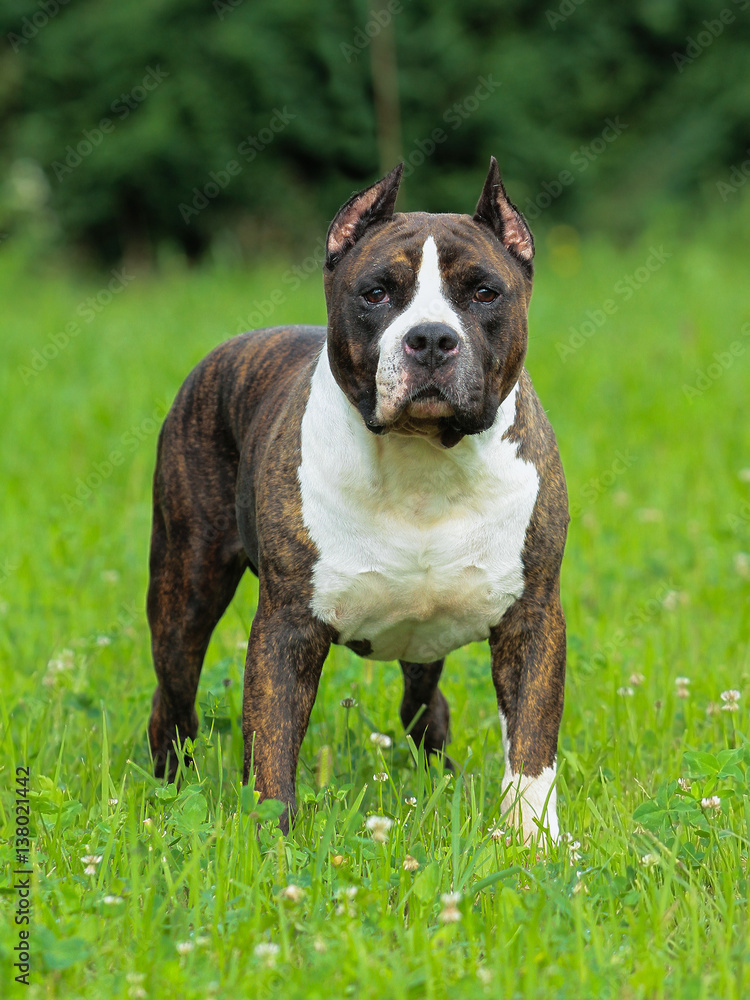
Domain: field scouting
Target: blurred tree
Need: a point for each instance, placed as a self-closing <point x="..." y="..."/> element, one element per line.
<point x="246" y="122"/>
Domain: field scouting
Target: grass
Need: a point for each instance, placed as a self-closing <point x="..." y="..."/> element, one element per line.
<point x="191" y="886"/>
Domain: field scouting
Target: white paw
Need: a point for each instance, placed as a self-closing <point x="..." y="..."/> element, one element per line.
<point x="530" y="805"/>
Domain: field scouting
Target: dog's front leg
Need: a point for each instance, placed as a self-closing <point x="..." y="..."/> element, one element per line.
<point x="285" y="657"/>
<point x="528" y="669"/>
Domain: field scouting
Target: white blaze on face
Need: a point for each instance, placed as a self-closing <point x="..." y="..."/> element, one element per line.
<point x="429" y="305"/>
<point x="530" y="803"/>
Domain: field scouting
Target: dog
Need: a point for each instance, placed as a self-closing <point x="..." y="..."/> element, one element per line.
<point x="393" y="482"/>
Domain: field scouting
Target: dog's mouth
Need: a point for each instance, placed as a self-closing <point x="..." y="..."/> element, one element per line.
<point x="428" y="403"/>
<point x="430" y="414"/>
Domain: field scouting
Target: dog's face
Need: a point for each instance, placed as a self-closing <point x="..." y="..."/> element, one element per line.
<point x="427" y="313"/>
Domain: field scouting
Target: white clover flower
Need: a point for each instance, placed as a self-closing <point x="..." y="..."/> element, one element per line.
<point x="348" y="703"/>
<point x="64" y="660"/>
<point x="91" y="861"/>
<point x="112" y="900"/>
<point x="347" y="895"/>
<point x="267" y="951"/>
<point x="711" y="802"/>
<point x="580" y="886"/>
<point x="410" y="864"/>
<point x="380" y="776"/>
<point x="497" y="832"/>
<point x="381" y="740"/>
<point x="572" y="845"/>
<point x="184" y="947"/>
<point x="379" y="827"/>
<point x="103" y="640"/>
<point x="730" y="699"/>
<point x="649" y="860"/>
<point x="636" y="679"/>
<point x="625" y="692"/>
<point x="450" y="914"/>
<point x="682" y="692"/>
<point x="684" y="784"/>
<point x="294" y="893"/>
<point x="681" y="681"/>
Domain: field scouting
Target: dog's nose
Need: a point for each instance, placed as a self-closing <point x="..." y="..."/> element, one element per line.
<point x="431" y="344"/>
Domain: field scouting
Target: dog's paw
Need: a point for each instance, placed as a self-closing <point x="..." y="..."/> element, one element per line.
<point x="530" y="805"/>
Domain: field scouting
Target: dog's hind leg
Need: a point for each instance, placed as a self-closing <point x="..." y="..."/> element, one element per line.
<point x="196" y="562"/>
<point x="424" y="710"/>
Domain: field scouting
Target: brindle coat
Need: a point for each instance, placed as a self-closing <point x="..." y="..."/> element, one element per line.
<point x="227" y="497"/>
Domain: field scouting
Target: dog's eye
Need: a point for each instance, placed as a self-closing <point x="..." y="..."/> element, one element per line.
<point x="485" y="295"/>
<point x="376" y="296"/>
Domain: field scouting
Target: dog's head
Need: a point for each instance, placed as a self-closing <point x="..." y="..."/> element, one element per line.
<point x="427" y="313"/>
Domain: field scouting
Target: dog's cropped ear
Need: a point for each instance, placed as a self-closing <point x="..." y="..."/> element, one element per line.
<point x="496" y="210"/>
<point x="374" y="204"/>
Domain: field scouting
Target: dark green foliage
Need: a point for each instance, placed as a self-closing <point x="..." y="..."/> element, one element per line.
<point x="534" y="83"/>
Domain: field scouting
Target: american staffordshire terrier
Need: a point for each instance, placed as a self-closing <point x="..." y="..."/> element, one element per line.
<point x="394" y="483"/>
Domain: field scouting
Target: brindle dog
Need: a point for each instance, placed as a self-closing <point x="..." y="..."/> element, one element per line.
<point x="394" y="483"/>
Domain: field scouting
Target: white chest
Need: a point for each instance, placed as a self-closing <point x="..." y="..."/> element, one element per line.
<point x="419" y="547"/>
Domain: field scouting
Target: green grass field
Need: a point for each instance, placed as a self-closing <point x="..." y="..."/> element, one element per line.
<point x="140" y="890"/>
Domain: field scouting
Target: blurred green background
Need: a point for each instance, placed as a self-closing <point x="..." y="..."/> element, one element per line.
<point x="235" y="128"/>
<point x="167" y="174"/>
